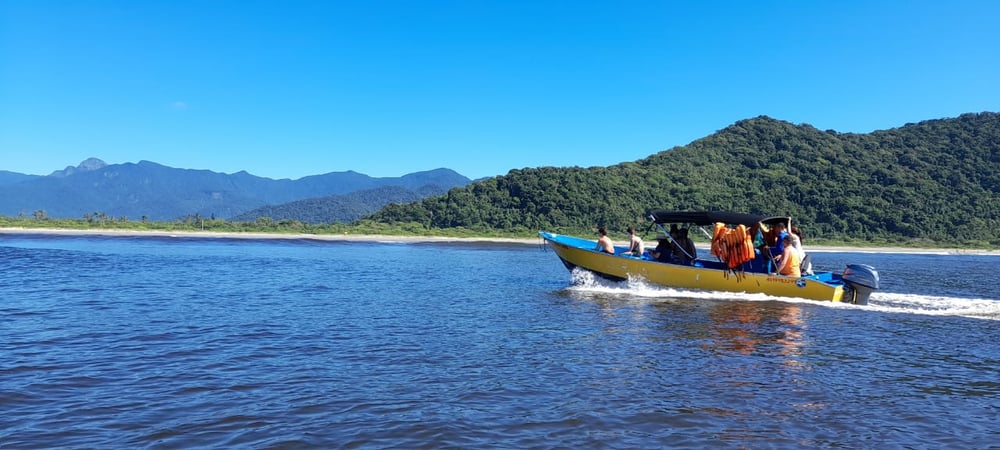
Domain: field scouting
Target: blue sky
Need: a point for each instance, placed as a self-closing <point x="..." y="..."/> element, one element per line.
<point x="286" y="89"/>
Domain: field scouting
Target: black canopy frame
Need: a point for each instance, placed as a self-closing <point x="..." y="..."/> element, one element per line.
<point x="660" y="216"/>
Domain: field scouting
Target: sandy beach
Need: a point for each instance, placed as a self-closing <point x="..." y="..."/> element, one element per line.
<point x="250" y="235"/>
<point x="425" y="239"/>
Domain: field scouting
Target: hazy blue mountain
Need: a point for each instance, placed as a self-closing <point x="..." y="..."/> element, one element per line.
<point x="164" y="193"/>
<point x="7" y="177"/>
<point x="89" y="164"/>
<point x="340" y="208"/>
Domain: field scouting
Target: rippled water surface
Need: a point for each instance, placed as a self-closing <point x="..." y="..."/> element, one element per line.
<point x="180" y="343"/>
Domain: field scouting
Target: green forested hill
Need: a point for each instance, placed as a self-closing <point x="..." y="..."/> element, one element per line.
<point x="936" y="180"/>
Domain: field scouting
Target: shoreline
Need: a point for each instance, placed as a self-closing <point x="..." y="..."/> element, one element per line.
<point x="248" y="235"/>
<point x="421" y="239"/>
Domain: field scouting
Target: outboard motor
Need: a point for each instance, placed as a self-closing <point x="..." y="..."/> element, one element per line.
<point x="860" y="280"/>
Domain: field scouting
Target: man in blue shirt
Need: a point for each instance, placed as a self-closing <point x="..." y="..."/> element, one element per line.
<point x="779" y="247"/>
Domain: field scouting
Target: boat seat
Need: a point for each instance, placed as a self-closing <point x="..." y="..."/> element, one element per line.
<point x="806" y="262"/>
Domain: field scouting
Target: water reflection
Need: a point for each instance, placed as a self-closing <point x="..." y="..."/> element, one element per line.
<point x="734" y="327"/>
<point x="794" y="331"/>
<point x="751" y="360"/>
<point x="731" y="326"/>
<point x="759" y="377"/>
<point x="752" y="328"/>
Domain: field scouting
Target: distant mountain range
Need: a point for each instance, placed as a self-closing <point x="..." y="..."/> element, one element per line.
<point x="341" y="208"/>
<point x="161" y="193"/>
<point x="7" y="177"/>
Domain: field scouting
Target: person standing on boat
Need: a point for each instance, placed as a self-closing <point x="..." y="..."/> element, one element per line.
<point x="635" y="245"/>
<point x="796" y="235"/>
<point x="604" y="242"/>
<point x="788" y="262"/>
<point x="779" y="244"/>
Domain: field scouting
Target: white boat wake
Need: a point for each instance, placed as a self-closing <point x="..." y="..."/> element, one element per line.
<point x="980" y="308"/>
<point x="890" y="302"/>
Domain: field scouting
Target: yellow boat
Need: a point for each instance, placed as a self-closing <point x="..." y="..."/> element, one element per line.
<point x="854" y="285"/>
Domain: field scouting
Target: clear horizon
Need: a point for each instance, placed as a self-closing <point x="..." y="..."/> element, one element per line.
<point x="387" y="88"/>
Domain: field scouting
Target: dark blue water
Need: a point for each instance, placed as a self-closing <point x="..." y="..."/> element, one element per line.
<point x="182" y="343"/>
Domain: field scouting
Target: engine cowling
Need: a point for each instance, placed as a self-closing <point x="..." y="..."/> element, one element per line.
<point x="860" y="280"/>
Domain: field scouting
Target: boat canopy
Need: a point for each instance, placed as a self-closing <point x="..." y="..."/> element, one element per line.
<point x="704" y="217"/>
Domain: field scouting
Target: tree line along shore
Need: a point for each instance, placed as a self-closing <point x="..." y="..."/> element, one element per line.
<point x="343" y="233"/>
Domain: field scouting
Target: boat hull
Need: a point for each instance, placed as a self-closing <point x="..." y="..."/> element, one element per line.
<point x="574" y="253"/>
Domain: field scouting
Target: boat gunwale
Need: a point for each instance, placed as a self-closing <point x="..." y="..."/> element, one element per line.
<point x="835" y="287"/>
